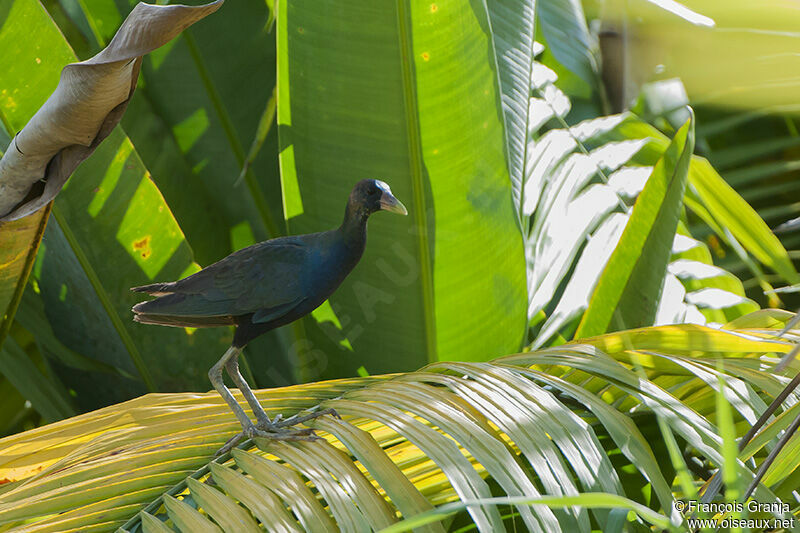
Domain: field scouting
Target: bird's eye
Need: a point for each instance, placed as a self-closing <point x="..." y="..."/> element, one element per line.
<point x="373" y="191"/>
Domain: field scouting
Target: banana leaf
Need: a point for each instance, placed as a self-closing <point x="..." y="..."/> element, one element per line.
<point x="408" y="94"/>
<point x="111" y="228"/>
<point x="203" y="100"/>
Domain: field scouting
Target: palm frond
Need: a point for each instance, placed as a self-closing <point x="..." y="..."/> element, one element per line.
<point x="580" y="182"/>
<point x="559" y="422"/>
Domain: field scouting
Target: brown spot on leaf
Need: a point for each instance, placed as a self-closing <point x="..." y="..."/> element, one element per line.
<point x="143" y="246"/>
<point x="141" y="243"/>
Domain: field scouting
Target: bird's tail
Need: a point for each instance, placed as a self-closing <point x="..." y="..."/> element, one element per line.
<point x="184" y="321"/>
<point x="155" y="289"/>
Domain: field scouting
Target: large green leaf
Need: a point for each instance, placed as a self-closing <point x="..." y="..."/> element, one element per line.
<point x="578" y="189"/>
<point x="19" y="242"/>
<point x="19" y="239"/>
<point x="566" y="35"/>
<point x="565" y="423"/>
<point x="196" y="112"/>
<point x="627" y="293"/>
<point x="46" y="396"/>
<point x="85" y="106"/>
<point x="111" y="230"/>
<point x="513" y="32"/>
<point x="715" y="292"/>
<point x="215" y="120"/>
<point x="715" y="202"/>
<point x="407" y="93"/>
<point x="32" y="317"/>
<point x="193" y="117"/>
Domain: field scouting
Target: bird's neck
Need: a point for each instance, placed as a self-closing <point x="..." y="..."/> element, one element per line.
<point x="354" y="228"/>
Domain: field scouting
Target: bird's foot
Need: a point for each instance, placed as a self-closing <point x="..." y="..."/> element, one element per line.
<point x="276" y="433"/>
<point x="279" y="422"/>
<point x="278" y="429"/>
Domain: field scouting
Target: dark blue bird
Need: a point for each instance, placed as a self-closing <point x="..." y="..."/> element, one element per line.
<point x="265" y="286"/>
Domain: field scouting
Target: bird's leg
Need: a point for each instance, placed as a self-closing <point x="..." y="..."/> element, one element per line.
<point x="232" y="366"/>
<point x="266" y="428"/>
<point x="264" y="422"/>
<point x="215" y="375"/>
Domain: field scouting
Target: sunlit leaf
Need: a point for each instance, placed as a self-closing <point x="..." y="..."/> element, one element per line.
<point x="111" y="229"/>
<point x="627" y="293"/>
<point x="720" y="207"/>
<point x="83" y="109"/>
<point x="196" y="114"/>
<point x="19" y="243"/>
<point x="513" y="24"/>
<point x="191" y="121"/>
<point x="379" y="105"/>
<point x="566" y="34"/>
<point x="475" y="416"/>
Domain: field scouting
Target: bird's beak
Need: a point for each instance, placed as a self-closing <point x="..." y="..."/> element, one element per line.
<point x="389" y="203"/>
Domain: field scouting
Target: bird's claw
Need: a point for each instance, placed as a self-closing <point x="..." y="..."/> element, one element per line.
<point x="273" y="434"/>
<point x="278" y="429"/>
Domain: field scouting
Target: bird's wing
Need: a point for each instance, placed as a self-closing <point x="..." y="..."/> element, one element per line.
<point x="265" y="315"/>
<point x="266" y="276"/>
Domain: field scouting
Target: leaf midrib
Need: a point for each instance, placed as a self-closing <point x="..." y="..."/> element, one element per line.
<point x="8" y="314"/>
<point x="230" y="133"/>
<point x="417" y="181"/>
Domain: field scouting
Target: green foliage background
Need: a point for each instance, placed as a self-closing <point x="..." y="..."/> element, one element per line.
<point x="196" y="170"/>
<point x="536" y="217"/>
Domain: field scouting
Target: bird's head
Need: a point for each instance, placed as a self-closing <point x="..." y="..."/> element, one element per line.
<point x="370" y="196"/>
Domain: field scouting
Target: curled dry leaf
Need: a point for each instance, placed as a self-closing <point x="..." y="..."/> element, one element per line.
<point x="89" y="101"/>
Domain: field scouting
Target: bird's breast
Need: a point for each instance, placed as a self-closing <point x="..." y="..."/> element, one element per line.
<point x="331" y="266"/>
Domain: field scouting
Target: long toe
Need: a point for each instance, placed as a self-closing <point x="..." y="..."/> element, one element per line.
<point x="228" y="446"/>
<point x="298" y="419"/>
<point x="268" y="426"/>
<point x="272" y="432"/>
<point x="287" y="434"/>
